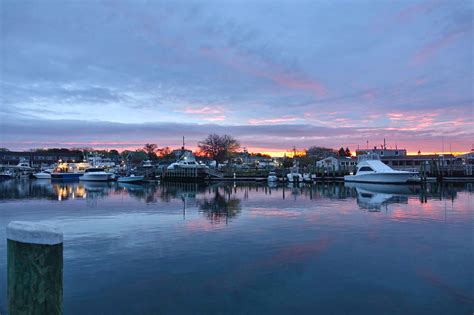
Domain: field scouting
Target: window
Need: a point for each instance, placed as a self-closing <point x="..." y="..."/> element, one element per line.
<point x="396" y="152"/>
<point x="365" y="169"/>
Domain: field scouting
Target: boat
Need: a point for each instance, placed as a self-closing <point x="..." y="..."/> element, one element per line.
<point x="187" y="160"/>
<point x="96" y="174"/>
<point x="69" y="171"/>
<point x="272" y="177"/>
<point x="308" y="177"/>
<point x="5" y="175"/>
<point x="370" y="169"/>
<point x="294" y="176"/>
<point x="23" y="165"/>
<point x="147" y="163"/>
<point x="46" y="174"/>
<point x="130" y="179"/>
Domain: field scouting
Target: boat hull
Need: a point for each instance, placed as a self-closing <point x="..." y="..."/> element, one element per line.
<point x="96" y="177"/>
<point x="66" y="176"/>
<point x="272" y="178"/>
<point x="382" y="178"/>
<point x="133" y="179"/>
<point x="42" y="176"/>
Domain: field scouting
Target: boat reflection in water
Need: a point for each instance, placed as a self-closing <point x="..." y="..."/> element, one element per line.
<point x="374" y="196"/>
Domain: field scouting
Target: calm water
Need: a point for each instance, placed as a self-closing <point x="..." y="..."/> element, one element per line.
<point x="252" y="249"/>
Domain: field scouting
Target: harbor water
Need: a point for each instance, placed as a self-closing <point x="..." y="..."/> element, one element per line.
<point x="247" y="248"/>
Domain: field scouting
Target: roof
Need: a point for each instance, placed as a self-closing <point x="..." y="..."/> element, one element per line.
<point x="418" y="157"/>
<point x="377" y="166"/>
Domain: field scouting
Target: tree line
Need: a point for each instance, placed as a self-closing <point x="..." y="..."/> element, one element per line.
<point x="214" y="147"/>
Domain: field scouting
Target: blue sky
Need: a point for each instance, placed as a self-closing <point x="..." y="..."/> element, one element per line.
<point x="275" y="74"/>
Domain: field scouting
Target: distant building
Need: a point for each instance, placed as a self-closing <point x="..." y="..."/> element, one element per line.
<point x="254" y="160"/>
<point x="332" y="163"/>
<point x="38" y="158"/>
<point x="415" y="162"/>
<point x="467" y="158"/>
<point x="180" y="152"/>
<point x="382" y="152"/>
<point x="320" y="152"/>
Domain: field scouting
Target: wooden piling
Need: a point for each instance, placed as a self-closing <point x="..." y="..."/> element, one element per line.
<point x="35" y="268"/>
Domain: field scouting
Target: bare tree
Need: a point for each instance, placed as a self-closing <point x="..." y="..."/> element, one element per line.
<point x="218" y="147"/>
<point x="150" y="150"/>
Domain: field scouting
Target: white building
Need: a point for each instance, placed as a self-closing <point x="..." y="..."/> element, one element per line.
<point x="336" y="164"/>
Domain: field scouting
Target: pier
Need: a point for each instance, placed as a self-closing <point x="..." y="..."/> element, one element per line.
<point x="184" y="174"/>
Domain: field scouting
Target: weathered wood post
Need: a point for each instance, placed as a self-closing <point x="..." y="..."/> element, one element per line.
<point x="35" y="268"/>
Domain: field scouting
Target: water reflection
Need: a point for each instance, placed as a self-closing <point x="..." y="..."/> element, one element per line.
<point x="306" y="242"/>
<point x="223" y="200"/>
<point x="375" y="196"/>
<point x="220" y="204"/>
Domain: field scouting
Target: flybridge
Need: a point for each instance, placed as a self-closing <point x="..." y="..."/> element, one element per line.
<point x="367" y="157"/>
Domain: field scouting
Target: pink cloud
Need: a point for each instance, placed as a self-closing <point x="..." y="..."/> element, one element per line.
<point x="273" y="120"/>
<point x="420" y="82"/>
<point x="209" y="113"/>
<point x="369" y="95"/>
<point x="215" y="118"/>
<point x="429" y="50"/>
<point x="205" y="110"/>
<point x="297" y="82"/>
<point x="415" y="10"/>
<point x="253" y="65"/>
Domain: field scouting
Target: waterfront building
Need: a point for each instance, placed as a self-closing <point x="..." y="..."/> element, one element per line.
<point x="382" y="152"/>
<point x="332" y="163"/>
<point x="38" y="158"/>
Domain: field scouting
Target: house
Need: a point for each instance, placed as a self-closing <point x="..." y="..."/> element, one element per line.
<point x="329" y="164"/>
<point x="332" y="163"/>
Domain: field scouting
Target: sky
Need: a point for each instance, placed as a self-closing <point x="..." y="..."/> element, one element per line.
<point x="273" y="74"/>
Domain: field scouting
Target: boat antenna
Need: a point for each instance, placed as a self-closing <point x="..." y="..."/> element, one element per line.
<point x="183" y="145"/>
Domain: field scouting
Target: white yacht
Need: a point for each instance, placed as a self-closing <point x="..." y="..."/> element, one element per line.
<point x="96" y="175"/>
<point x="294" y="176"/>
<point x="46" y="174"/>
<point x="147" y="163"/>
<point x="371" y="170"/>
<point x="308" y="177"/>
<point x="187" y="160"/>
<point x="272" y="177"/>
<point x="24" y="164"/>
